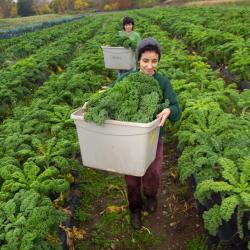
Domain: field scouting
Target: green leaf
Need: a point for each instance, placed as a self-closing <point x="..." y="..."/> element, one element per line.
<point x="246" y="199"/>
<point x="228" y="206"/>
<point x="230" y="171"/>
<point x="212" y="219"/>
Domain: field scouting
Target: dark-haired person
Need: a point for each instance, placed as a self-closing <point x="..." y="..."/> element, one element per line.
<point x="128" y="24"/>
<point x="148" y="55"/>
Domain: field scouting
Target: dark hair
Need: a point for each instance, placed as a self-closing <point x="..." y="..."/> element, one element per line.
<point x="148" y="44"/>
<point x="127" y="20"/>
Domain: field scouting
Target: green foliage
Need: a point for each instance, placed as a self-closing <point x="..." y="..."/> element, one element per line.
<point x="124" y="41"/>
<point x="31" y="177"/>
<point x="136" y="98"/>
<point x="28" y="217"/>
<point x="198" y="243"/>
<point x="228" y="206"/>
<point x="212" y="219"/>
<point x="235" y="193"/>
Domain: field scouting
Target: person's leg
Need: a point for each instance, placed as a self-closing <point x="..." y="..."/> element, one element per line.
<point x="151" y="179"/>
<point x="134" y="192"/>
<point x="134" y="199"/>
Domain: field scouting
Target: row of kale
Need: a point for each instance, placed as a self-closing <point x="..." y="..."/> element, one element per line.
<point x="19" y="81"/>
<point x="14" y="49"/>
<point x="213" y="134"/>
<point x="221" y="48"/>
<point x="38" y="151"/>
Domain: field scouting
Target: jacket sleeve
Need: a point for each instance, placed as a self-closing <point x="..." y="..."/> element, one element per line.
<point x="138" y="39"/>
<point x="170" y="94"/>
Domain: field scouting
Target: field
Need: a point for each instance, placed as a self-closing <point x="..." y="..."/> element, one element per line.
<point x="50" y="201"/>
<point x="12" y="23"/>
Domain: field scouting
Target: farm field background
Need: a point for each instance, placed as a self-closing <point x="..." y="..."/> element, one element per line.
<point x="11" y="23"/>
<point x="48" y="200"/>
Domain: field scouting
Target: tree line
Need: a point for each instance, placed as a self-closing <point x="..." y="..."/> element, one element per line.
<point x="14" y="8"/>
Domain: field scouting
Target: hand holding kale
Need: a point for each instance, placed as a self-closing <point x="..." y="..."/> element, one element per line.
<point x="136" y="98"/>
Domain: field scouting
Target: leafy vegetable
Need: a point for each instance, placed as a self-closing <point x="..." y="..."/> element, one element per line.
<point x="124" y="41"/>
<point x="136" y="98"/>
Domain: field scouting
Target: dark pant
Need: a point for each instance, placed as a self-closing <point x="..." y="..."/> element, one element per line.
<point x="150" y="181"/>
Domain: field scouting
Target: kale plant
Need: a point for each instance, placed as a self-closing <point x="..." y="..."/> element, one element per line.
<point x="136" y="98"/>
<point x="124" y="41"/>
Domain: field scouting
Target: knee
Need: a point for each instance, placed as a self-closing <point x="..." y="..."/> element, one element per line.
<point x="132" y="182"/>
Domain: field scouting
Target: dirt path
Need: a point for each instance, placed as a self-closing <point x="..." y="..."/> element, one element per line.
<point x="173" y="225"/>
<point x="176" y="218"/>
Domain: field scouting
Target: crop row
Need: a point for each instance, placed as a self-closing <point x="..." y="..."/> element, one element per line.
<point x="19" y="81"/>
<point x="213" y="134"/>
<point x="38" y="150"/>
<point x="14" y="49"/>
<point x="222" y="49"/>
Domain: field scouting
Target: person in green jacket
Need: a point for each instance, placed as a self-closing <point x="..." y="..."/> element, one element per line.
<point x="148" y="54"/>
<point x="128" y="31"/>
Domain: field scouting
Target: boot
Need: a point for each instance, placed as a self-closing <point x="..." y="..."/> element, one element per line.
<point x="151" y="204"/>
<point x="136" y="220"/>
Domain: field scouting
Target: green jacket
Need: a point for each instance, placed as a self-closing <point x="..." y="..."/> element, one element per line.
<point x="168" y="93"/>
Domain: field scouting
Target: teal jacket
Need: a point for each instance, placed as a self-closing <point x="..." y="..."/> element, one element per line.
<point x="168" y="93"/>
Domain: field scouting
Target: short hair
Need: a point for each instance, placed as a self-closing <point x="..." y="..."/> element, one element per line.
<point x="127" y="20"/>
<point x="148" y="44"/>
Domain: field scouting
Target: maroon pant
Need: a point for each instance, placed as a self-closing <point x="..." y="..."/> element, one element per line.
<point x="150" y="181"/>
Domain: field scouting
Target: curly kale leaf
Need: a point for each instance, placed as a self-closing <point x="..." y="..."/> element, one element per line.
<point x="124" y="41"/>
<point x="207" y="187"/>
<point x="229" y="172"/>
<point x="136" y="98"/>
<point x="146" y="112"/>
<point x="29" y="217"/>
<point x="212" y="219"/>
<point x="32" y="177"/>
<point x="228" y="206"/>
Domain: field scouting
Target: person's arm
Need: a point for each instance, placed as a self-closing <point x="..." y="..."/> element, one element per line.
<point x="173" y="112"/>
<point x="122" y="33"/>
<point x="138" y="39"/>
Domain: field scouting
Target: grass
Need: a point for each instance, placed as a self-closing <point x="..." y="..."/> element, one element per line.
<point x="104" y="210"/>
<point x="197" y="244"/>
<point x="11" y="23"/>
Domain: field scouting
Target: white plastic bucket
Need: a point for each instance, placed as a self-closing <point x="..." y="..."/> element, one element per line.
<point x="118" y="57"/>
<point x="122" y="147"/>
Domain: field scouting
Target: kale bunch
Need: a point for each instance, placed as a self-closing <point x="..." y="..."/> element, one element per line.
<point x="136" y="98"/>
<point x="124" y="41"/>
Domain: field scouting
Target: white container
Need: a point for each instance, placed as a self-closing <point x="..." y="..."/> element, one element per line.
<point x="118" y="57"/>
<point x="122" y="147"/>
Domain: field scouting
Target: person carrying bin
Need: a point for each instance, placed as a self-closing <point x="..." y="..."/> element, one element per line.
<point x="148" y="57"/>
<point x="128" y="31"/>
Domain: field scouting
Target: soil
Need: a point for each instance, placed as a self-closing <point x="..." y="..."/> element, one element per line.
<point x="176" y="218"/>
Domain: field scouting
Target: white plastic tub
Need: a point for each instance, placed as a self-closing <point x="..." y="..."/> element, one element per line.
<point x="118" y="57"/>
<point x="122" y="147"/>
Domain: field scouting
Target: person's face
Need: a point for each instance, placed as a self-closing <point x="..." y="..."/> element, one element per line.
<point x="128" y="27"/>
<point x="149" y="62"/>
